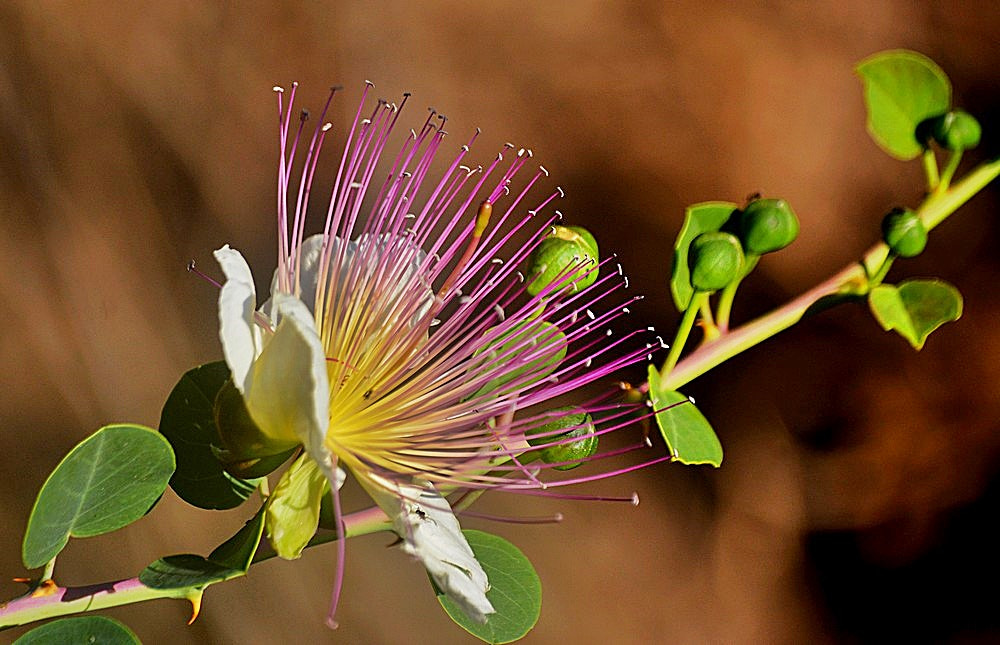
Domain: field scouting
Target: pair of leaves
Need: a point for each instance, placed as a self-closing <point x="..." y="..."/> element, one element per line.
<point x="902" y="89"/>
<point x="109" y="480"/>
<point x="915" y="308"/>
<point x="230" y="559"/>
<point x="689" y="436"/>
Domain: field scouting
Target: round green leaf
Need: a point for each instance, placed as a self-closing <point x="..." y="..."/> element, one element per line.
<point x="515" y="591"/>
<point x="188" y="423"/>
<point x="706" y="217"/>
<point x="688" y="434"/>
<point x="915" y="308"/>
<point x="902" y="89"/>
<point x="81" y="630"/>
<point x="109" y="480"/>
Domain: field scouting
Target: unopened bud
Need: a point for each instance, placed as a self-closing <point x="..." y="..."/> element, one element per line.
<point x="551" y="261"/>
<point x="767" y="225"/>
<point x="904" y="232"/>
<point x="715" y="260"/>
<point x="570" y="454"/>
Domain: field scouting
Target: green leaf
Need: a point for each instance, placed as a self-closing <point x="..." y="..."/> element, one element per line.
<point x="293" y="509"/>
<point x="687" y="432"/>
<point x="188" y="423"/>
<point x="515" y="591"/>
<point x="230" y="559"/>
<point x="81" y="630"/>
<point x="706" y="217"/>
<point x="109" y="480"/>
<point x="237" y="552"/>
<point x="185" y="570"/>
<point x="902" y="89"/>
<point x="915" y="308"/>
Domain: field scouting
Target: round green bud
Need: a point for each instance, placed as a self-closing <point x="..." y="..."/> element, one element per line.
<point x="714" y="260"/>
<point x="904" y="232"/>
<point x="956" y="130"/>
<point x="245" y="451"/>
<point x="767" y="225"/>
<point x="564" y="247"/>
<point x="572" y="453"/>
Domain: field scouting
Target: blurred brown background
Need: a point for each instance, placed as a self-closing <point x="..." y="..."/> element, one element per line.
<point x="859" y="476"/>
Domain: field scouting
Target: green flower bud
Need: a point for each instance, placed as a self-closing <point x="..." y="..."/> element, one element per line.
<point x="904" y="232"/>
<point x="767" y="225"/>
<point x="715" y="260"/>
<point x="956" y="130"/>
<point x="564" y="247"/>
<point x="579" y="424"/>
<point x="246" y="452"/>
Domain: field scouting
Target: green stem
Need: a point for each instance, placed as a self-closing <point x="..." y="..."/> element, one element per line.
<point x="949" y="171"/>
<point x="877" y="278"/>
<point x="683" y="331"/>
<point x="707" y="321"/>
<point x="51" y="601"/>
<point x="931" y="170"/>
<point x="728" y="294"/>
<point x="851" y="280"/>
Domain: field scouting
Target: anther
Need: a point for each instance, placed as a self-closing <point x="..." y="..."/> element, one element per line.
<point x="542" y="168"/>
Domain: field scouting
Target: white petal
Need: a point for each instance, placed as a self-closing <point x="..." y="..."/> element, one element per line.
<point x="288" y="394"/>
<point x="237" y="302"/>
<point x="309" y="265"/>
<point x="431" y="534"/>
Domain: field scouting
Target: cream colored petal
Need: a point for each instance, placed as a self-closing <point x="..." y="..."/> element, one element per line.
<point x="309" y="265"/>
<point x="432" y="535"/>
<point x="237" y="302"/>
<point x="288" y="394"/>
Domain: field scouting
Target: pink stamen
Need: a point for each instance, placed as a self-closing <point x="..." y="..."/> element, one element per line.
<point x="198" y="272"/>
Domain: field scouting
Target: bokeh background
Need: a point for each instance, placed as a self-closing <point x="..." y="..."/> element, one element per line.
<point x="860" y="476"/>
